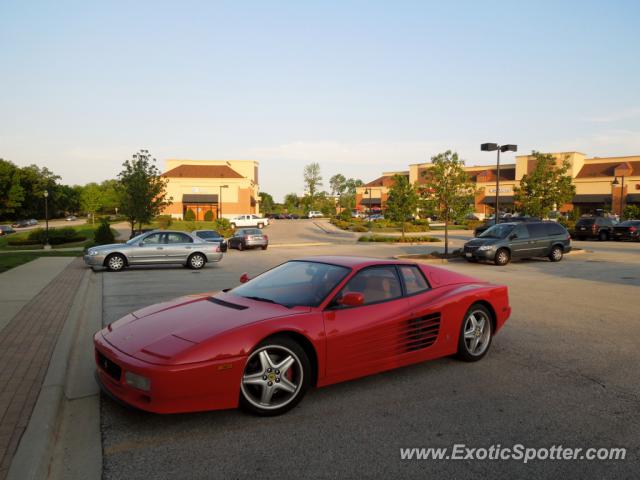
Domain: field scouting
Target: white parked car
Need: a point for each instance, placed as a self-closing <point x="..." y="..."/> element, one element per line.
<point x="249" y="221"/>
<point x="315" y="214"/>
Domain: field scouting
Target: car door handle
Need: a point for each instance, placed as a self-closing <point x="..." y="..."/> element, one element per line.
<point x="159" y="248"/>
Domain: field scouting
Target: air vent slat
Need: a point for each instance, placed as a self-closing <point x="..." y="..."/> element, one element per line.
<point x="419" y="333"/>
<point x="235" y="306"/>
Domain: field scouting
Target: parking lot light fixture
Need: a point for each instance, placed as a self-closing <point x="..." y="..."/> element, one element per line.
<point x="616" y="183"/>
<point x="46" y="220"/>
<point x="490" y="147"/>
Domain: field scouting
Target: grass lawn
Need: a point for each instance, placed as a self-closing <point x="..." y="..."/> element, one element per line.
<point x="86" y="230"/>
<point x="10" y="260"/>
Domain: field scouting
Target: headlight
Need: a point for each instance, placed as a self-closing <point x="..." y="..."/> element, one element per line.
<point x="137" y="381"/>
<point x="93" y="252"/>
<point x="486" y="247"/>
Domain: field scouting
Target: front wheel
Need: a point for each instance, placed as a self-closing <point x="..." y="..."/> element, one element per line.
<point x="556" y="254"/>
<point x="116" y="262"/>
<point x="276" y="377"/>
<point x="196" y="261"/>
<point x="502" y="257"/>
<point x="240" y="246"/>
<point x="475" y="334"/>
<point x="603" y="236"/>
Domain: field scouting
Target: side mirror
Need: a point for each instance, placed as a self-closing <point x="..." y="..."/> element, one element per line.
<point x="351" y="299"/>
<point x="513" y="236"/>
<point x="244" y="278"/>
<point x="141" y="244"/>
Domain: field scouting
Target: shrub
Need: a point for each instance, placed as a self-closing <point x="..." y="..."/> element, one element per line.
<point x="208" y="216"/>
<point x="223" y="227"/>
<point x="164" y="221"/>
<point x="569" y="224"/>
<point x="358" y="228"/>
<point x="389" y="239"/>
<point x="103" y="234"/>
<point x="57" y="236"/>
<point x="631" y="212"/>
<point x="341" y="224"/>
<point x="189" y="216"/>
<point x="345" y="215"/>
<point x="472" y="224"/>
<point x="20" y="242"/>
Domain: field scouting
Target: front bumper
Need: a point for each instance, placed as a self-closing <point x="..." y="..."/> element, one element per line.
<point x="477" y="254"/>
<point x="210" y="385"/>
<point x="94" y="260"/>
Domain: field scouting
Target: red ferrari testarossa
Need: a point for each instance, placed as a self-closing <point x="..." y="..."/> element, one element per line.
<point x="305" y="323"/>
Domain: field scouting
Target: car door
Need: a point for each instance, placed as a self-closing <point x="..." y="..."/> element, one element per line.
<point x="520" y="242"/>
<point x="540" y="241"/>
<point x="362" y="339"/>
<point x="150" y="249"/>
<point x="178" y="247"/>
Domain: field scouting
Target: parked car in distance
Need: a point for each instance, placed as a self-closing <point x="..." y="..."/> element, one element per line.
<point x="71" y="218"/>
<point x="249" y="221"/>
<point x="158" y="246"/>
<point x="375" y="217"/>
<point x="211" y="236"/>
<point x="507" y="241"/>
<point x="594" y="227"/>
<point x="315" y="214"/>
<point x="628" y="230"/>
<point x="490" y="222"/>
<point x="6" y="230"/>
<point x="244" y="238"/>
<point x="20" y="224"/>
<point x="306" y="323"/>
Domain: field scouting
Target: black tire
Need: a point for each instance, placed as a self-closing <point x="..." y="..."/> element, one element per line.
<point x="502" y="257"/>
<point x="264" y="247"/>
<point x="261" y="225"/>
<point x="301" y="381"/>
<point x="464" y="352"/>
<point x="603" y="236"/>
<point x="196" y="261"/>
<point x="472" y="260"/>
<point x="115" y="262"/>
<point x="556" y="253"/>
<point x="240" y="246"/>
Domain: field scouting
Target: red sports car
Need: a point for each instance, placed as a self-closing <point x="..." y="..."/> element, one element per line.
<point x="305" y="323"/>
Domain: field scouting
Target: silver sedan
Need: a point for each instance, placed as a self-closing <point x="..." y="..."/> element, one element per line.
<point x="155" y="247"/>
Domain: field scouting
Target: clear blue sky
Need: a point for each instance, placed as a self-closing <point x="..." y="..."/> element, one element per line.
<point x="360" y="87"/>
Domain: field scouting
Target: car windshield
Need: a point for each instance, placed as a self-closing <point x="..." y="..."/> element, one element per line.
<point x="497" y="231"/>
<point x="253" y="231"/>
<point x="136" y="239"/>
<point x="294" y="283"/>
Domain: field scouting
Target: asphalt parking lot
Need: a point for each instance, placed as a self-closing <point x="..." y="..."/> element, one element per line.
<point x="562" y="371"/>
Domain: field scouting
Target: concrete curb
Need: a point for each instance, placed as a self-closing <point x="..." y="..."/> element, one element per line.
<point x="35" y="452"/>
<point x="307" y="244"/>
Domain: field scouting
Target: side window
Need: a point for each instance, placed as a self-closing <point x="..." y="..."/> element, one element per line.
<point x="536" y="230"/>
<point x="555" y="229"/>
<point x="178" y="238"/>
<point x="377" y="284"/>
<point x="153" y="239"/>
<point x="521" y="231"/>
<point x="414" y="280"/>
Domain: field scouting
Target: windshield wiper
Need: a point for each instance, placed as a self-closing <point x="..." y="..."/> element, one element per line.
<point x="268" y="300"/>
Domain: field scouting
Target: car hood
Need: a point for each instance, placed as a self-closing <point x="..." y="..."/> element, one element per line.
<point x="477" y="242"/>
<point x="161" y="333"/>
<point x="110" y="246"/>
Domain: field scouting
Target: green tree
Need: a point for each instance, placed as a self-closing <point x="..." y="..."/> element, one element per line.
<point x="110" y="200"/>
<point x="266" y="202"/>
<point x="338" y="184"/>
<point x="104" y="234"/>
<point x="11" y="191"/>
<point x="449" y="190"/>
<point x="141" y="190"/>
<point x="312" y="179"/>
<point x="402" y="201"/>
<point x="547" y="187"/>
<point x="91" y="200"/>
<point x="291" y="201"/>
<point x="631" y="212"/>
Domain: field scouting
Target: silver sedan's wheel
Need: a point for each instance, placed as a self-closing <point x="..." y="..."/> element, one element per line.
<point x="475" y="334"/>
<point x="116" y="262"/>
<point x="275" y="378"/>
<point x="196" y="261"/>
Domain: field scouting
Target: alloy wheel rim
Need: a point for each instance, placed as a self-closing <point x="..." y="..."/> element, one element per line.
<point x="272" y="377"/>
<point x="502" y="257"/>
<point x="477" y="332"/>
<point x="557" y="253"/>
<point x="116" y="263"/>
<point x="196" y="261"/>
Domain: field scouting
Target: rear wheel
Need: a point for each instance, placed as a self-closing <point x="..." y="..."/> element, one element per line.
<point x="264" y="247"/>
<point x="115" y="262"/>
<point x="475" y="334"/>
<point x="276" y="377"/>
<point x="603" y="236"/>
<point x="556" y="254"/>
<point x="240" y="246"/>
<point x="502" y="257"/>
<point x="196" y="261"/>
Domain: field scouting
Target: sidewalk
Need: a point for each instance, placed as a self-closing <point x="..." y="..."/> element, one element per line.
<point x="37" y="298"/>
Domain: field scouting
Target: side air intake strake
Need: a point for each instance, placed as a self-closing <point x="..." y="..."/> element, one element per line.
<point x="420" y="332"/>
<point x="235" y="306"/>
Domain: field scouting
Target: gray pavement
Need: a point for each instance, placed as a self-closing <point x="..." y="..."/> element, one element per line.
<point x="561" y="372"/>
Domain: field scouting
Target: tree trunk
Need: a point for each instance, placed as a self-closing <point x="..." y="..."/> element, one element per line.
<point x="402" y="232"/>
<point x="132" y="222"/>
<point x="446" y="237"/>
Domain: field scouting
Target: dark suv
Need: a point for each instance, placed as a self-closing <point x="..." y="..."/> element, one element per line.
<point x="505" y="241"/>
<point x="594" y="227"/>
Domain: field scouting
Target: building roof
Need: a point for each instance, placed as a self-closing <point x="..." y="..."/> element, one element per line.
<point x="202" y="171"/>
<point x="591" y="170"/>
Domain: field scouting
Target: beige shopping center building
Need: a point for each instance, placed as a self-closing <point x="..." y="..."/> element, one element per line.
<point x="227" y="188"/>
<point x="593" y="178"/>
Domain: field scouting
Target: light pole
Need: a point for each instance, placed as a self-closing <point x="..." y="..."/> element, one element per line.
<point x="490" y="147"/>
<point x="615" y="182"/>
<point x="369" y="191"/>
<point x="220" y="200"/>
<point x="46" y="220"/>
